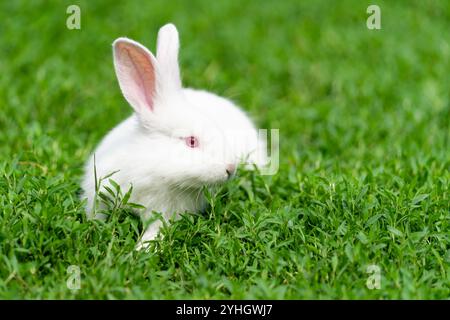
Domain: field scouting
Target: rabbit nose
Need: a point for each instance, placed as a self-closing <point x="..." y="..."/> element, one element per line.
<point x="230" y="169"/>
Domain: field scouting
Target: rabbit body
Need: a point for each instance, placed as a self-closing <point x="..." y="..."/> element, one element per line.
<point x="177" y="141"/>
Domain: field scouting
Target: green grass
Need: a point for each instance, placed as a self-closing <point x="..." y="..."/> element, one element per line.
<point x="364" y="164"/>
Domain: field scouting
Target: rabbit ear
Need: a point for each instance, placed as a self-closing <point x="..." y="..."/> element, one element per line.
<point x="136" y="72"/>
<point x="167" y="56"/>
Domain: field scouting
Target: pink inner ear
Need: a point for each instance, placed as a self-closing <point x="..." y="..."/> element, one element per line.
<point x="136" y="75"/>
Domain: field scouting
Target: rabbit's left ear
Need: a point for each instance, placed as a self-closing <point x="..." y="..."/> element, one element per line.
<point x="167" y="56"/>
<point x="136" y="71"/>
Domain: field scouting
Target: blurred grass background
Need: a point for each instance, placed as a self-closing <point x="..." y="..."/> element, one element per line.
<point x="364" y="124"/>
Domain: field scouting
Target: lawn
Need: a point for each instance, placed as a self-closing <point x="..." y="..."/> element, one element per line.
<point x="364" y="151"/>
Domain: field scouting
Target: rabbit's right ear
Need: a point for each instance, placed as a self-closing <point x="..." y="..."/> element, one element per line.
<point x="167" y="48"/>
<point x="135" y="68"/>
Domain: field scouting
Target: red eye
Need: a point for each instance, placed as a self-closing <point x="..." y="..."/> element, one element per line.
<point x="191" y="142"/>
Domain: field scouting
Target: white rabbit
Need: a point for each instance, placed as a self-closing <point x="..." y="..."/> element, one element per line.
<point x="177" y="140"/>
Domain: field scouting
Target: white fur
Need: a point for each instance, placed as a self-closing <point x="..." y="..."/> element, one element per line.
<point x="148" y="149"/>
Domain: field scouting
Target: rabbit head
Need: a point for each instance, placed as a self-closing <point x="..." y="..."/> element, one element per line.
<point x="191" y="138"/>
